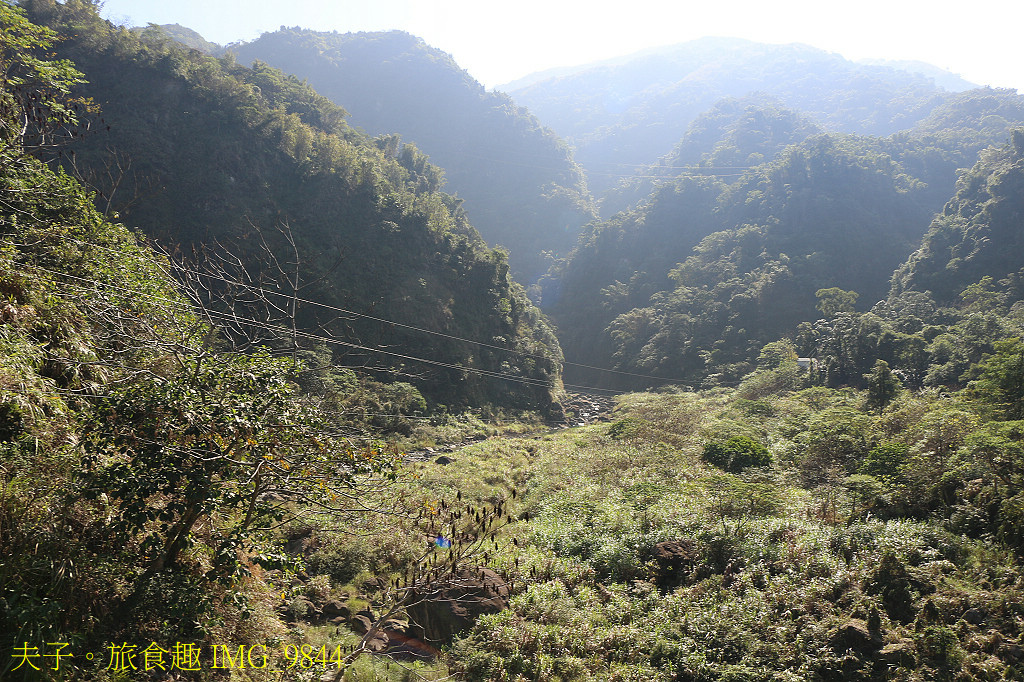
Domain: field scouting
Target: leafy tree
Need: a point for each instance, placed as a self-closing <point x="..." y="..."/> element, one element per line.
<point x="777" y="371"/>
<point x="730" y="496"/>
<point x="143" y="429"/>
<point x="834" y="300"/>
<point x="883" y="386"/>
<point x="1001" y="380"/>
<point x="863" y="490"/>
<point x="736" y="453"/>
<point x="834" y="442"/>
<point x="884" y="461"/>
<point x="208" y="444"/>
<point x="36" y="106"/>
<point x="980" y="297"/>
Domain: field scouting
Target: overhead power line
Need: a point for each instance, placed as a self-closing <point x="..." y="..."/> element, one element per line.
<point x="451" y="337"/>
<point x="223" y="317"/>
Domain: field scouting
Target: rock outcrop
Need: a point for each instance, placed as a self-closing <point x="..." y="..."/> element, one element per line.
<point x="443" y="609"/>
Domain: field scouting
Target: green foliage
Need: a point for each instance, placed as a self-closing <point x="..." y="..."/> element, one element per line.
<point x="207" y="443"/>
<point x="1001" y="378"/>
<point x="835" y="440"/>
<point x="941" y="646"/>
<point x="884" y="462"/>
<point x="736" y="454"/>
<point x="341" y="566"/>
<point x="520" y="183"/>
<point x="209" y="150"/>
<point x="777" y="372"/>
<point x="882" y="386"/>
<point x="36" y="106"/>
<point x="980" y="296"/>
<point x="834" y="300"/>
<point x="182" y="34"/>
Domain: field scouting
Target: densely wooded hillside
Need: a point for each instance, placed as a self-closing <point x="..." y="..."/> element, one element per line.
<point x="978" y="236"/>
<point x="706" y="272"/>
<point x="718" y="260"/>
<point x="193" y="150"/>
<point x="521" y="187"/>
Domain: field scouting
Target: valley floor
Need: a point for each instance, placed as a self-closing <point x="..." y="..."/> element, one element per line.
<point x="874" y="546"/>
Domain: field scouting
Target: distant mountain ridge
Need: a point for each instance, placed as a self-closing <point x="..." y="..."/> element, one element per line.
<point x="943" y="78"/>
<point x="630" y="111"/>
<point x="184" y="35"/>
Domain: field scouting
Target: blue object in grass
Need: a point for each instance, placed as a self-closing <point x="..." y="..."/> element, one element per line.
<point x="442" y="541"/>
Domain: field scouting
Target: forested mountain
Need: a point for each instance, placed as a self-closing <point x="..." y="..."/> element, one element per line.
<point x="734" y="134"/>
<point x="520" y="185"/>
<point x="705" y="272"/>
<point x="972" y="120"/>
<point x="194" y="150"/>
<point x="720" y="223"/>
<point x="978" y="237"/>
<point x="944" y="79"/>
<point x="630" y="111"/>
<point x="181" y="34"/>
<point x="216" y="457"/>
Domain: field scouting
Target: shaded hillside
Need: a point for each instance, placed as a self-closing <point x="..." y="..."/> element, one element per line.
<point x="634" y="110"/>
<point x="696" y="280"/>
<point x="521" y="188"/>
<point x="979" y="234"/>
<point x="734" y="134"/>
<point x="144" y="463"/>
<point x="196" y="149"/>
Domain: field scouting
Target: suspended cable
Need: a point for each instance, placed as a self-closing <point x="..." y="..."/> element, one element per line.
<point x="399" y="324"/>
<point x="223" y="317"/>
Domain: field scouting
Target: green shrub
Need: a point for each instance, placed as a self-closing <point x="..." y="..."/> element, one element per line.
<point x="884" y="462"/>
<point x="341" y="562"/>
<point x="940" y="644"/>
<point x="736" y="454"/>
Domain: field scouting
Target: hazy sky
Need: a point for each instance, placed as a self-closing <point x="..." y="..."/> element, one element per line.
<point x="500" y="41"/>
